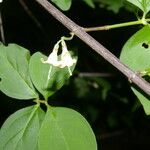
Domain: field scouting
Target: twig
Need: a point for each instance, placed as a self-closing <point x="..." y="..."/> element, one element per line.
<point x="105" y="136"/>
<point x="95" y="45"/>
<point x="2" y="29"/>
<point x="95" y="74"/>
<point x="119" y="25"/>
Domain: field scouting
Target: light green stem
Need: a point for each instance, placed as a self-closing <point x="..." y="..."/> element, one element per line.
<point x="108" y="27"/>
<point x="41" y="102"/>
<point x="68" y="38"/>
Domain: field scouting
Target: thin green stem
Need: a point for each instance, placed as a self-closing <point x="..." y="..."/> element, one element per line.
<point x="38" y="101"/>
<point x="68" y="38"/>
<point x="108" y="27"/>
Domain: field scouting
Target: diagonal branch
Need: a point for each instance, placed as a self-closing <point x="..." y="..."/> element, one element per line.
<point x="95" y="45"/>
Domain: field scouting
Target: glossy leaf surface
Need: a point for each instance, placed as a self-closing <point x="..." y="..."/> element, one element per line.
<point x="136" y="55"/>
<point x="20" y="131"/>
<point x="65" y="129"/>
<point x="14" y="72"/>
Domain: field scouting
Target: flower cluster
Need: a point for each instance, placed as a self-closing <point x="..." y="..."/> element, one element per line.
<point x="65" y="57"/>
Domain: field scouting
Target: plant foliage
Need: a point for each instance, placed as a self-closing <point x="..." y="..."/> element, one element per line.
<point x="26" y="77"/>
<point x="136" y="54"/>
<point x="144" y="5"/>
<point x="21" y="130"/>
<point x="30" y="128"/>
<point x="68" y="128"/>
<point x="14" y="72"/>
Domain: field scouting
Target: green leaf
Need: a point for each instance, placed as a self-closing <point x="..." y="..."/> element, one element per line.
<point x="20" y="131"/>
<point x="14" y="72"/>
<point x="113" y="5"/>
<point x="136" y="55"/>
<point x="144" y="5"/>
<point x="39" y="74"/>
<point x="65" y="129"/>
<point x="63" y="4"/>
<point x="90" y="3"/>
<point x="130" y="7"/>
<point x="144" y="100"/>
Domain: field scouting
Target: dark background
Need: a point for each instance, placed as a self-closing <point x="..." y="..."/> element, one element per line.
<point x="118" y="120"/>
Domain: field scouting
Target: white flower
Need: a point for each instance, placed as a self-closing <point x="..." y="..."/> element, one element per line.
<point x="52" y="59"/>
<point x="65" y="58"/>
<point x="1" y="1"/>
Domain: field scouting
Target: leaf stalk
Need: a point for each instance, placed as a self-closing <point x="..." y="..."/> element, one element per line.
<point x="119" y="25"/>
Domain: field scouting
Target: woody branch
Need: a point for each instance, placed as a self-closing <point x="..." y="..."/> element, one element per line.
<point x="96" y="46"/>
